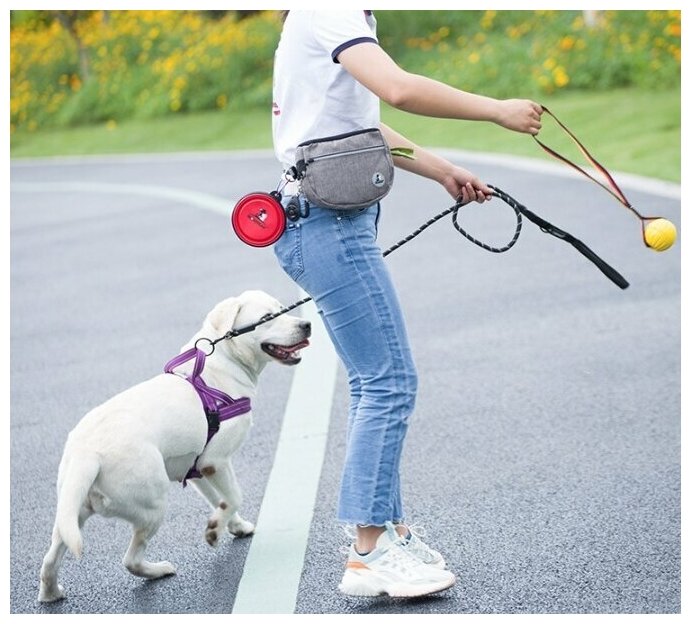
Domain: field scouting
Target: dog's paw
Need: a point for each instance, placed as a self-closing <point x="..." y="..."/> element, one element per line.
<point x="161" y="569"/>
<point x="51" y="594"/>
<point x="212" y="533"/>
<point x="149" y="569"/>
<point x="240" y="528"/>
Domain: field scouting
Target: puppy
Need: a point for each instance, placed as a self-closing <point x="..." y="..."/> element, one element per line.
<point x="120" y="458"/>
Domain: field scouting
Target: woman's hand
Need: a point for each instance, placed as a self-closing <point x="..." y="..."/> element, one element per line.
<point x="520" y="115"/>
<point x="465" y="187"/>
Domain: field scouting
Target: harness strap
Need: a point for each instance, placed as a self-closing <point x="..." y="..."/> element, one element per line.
<point x="218" y="406"/>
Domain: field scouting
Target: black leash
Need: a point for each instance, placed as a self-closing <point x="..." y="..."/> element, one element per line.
<point x="548" y="228"/>
<point x="520" y="211"/>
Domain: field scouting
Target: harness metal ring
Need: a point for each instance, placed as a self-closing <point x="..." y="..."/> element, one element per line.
<point x="211" y="344"/>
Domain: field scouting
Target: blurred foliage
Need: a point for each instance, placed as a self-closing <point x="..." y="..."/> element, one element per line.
<point x="529" y="53"/>
<point x="105" y="66"/>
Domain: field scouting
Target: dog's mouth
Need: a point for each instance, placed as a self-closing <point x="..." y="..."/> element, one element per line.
<point x="285" y="354"/>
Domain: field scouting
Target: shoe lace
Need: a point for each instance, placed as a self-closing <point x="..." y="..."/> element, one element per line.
<point x="419" y="548"/>
<point x="417" y="530"/>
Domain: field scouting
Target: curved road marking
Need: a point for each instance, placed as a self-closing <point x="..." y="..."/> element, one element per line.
<point x="194" y="198"/>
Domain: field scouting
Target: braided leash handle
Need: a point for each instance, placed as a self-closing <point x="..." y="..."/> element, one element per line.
<point x="548" y="228"/>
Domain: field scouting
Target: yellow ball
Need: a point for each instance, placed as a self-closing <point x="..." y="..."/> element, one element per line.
<point x="660" y="234"/>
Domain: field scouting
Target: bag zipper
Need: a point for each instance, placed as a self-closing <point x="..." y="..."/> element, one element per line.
<point x="360" y="150"/>
<point x="338" y="136"/>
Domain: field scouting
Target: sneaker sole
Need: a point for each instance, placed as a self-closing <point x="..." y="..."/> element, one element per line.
<point x="360" y="585"/>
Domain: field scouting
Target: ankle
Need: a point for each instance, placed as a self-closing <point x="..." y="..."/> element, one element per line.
<point x="403" y="530"/>
<point x="366" y="538"/>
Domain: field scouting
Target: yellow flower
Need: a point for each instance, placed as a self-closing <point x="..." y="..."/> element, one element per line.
<point x="567" y="43"/>
<point x="673" y="30"/>
<point x="561" y="78"/>
<point x="111" y="124"/>
<point x="473" y="57"/>
<point x="488" y="19"/>
<point x="550" y="63"/>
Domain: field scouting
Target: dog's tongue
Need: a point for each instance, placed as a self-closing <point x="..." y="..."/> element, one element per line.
<point x="297" y="347"/>
<point x="287" y="352"/>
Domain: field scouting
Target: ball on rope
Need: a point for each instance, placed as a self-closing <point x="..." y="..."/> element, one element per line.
<point x="660" y="234"/>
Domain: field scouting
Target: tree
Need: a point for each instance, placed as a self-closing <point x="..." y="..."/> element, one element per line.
<point x="68" y="20"/>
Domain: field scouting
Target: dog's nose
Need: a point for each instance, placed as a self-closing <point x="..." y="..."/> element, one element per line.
<point x="306" y="327"/>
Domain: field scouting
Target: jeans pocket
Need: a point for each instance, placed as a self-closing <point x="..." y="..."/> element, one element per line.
<point x="288" y="251"/>
<point x="365" y="219"/>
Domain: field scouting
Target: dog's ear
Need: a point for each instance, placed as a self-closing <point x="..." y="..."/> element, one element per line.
<point x="222" y="317"/>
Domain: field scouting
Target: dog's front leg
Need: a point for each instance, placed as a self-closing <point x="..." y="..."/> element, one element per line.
<point x="220" y="487"/>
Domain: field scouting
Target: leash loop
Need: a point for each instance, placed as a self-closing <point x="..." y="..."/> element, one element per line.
<point x="485" y="246"/>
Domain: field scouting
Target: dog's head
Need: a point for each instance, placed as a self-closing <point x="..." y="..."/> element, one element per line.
<point x="279" y="339"/>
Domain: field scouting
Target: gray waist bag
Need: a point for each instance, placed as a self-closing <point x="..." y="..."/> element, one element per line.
<point x="347" y="171"/>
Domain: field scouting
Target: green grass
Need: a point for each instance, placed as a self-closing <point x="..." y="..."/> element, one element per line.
<point x="626" y="130"/>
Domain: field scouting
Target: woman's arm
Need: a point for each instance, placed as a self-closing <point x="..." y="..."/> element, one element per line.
<point x="375" y="69"/>
<point x="460" y="183"/>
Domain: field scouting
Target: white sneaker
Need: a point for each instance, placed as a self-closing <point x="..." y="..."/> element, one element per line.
<point x="413" y="544"/>
<point x="392" y="570"/>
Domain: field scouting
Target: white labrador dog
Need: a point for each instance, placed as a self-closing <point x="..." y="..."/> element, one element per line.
<point x="120" y="458"/>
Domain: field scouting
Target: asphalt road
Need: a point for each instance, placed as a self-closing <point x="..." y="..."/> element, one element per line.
<point x="544" y="457"/>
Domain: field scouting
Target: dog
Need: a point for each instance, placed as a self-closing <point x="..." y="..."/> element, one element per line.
<point x="121" y="457"/>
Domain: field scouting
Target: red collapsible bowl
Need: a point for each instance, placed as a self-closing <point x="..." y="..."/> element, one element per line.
<point x="258" y="219"/>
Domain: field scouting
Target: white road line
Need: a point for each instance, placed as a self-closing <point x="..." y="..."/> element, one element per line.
<point x="273" y="568"/>
<point x="655" y="186"/>
<point x="184" y="196"/>
<point x="274" y="564"/>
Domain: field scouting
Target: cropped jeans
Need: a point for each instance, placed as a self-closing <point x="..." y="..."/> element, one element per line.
<point x="334" y="257"/>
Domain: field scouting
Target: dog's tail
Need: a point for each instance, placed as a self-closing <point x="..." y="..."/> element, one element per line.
<point x="79" y="475"/>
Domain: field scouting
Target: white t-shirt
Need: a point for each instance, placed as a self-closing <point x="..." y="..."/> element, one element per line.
<point x="313" y="95"/>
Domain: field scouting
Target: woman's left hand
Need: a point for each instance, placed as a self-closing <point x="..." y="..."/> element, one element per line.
<point x="464" y="186"/>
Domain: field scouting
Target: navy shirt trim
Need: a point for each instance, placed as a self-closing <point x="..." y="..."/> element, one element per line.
<point x="348" y="44"/>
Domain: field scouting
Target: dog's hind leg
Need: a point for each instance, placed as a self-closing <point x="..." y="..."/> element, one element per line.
<point x="221" y="488"/>
<point x="134" y="557"/>
<point x="50" y="590"/>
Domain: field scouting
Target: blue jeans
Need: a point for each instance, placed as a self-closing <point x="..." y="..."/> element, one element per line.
<point x="334" y="257"/>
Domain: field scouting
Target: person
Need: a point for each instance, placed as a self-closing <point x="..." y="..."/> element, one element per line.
<point x="330" y="75"/>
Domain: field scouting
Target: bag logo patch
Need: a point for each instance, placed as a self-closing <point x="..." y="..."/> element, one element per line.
<point x="378" y="180"/>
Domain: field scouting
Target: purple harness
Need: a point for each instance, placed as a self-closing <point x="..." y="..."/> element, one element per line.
<point x="218" y="406"/>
